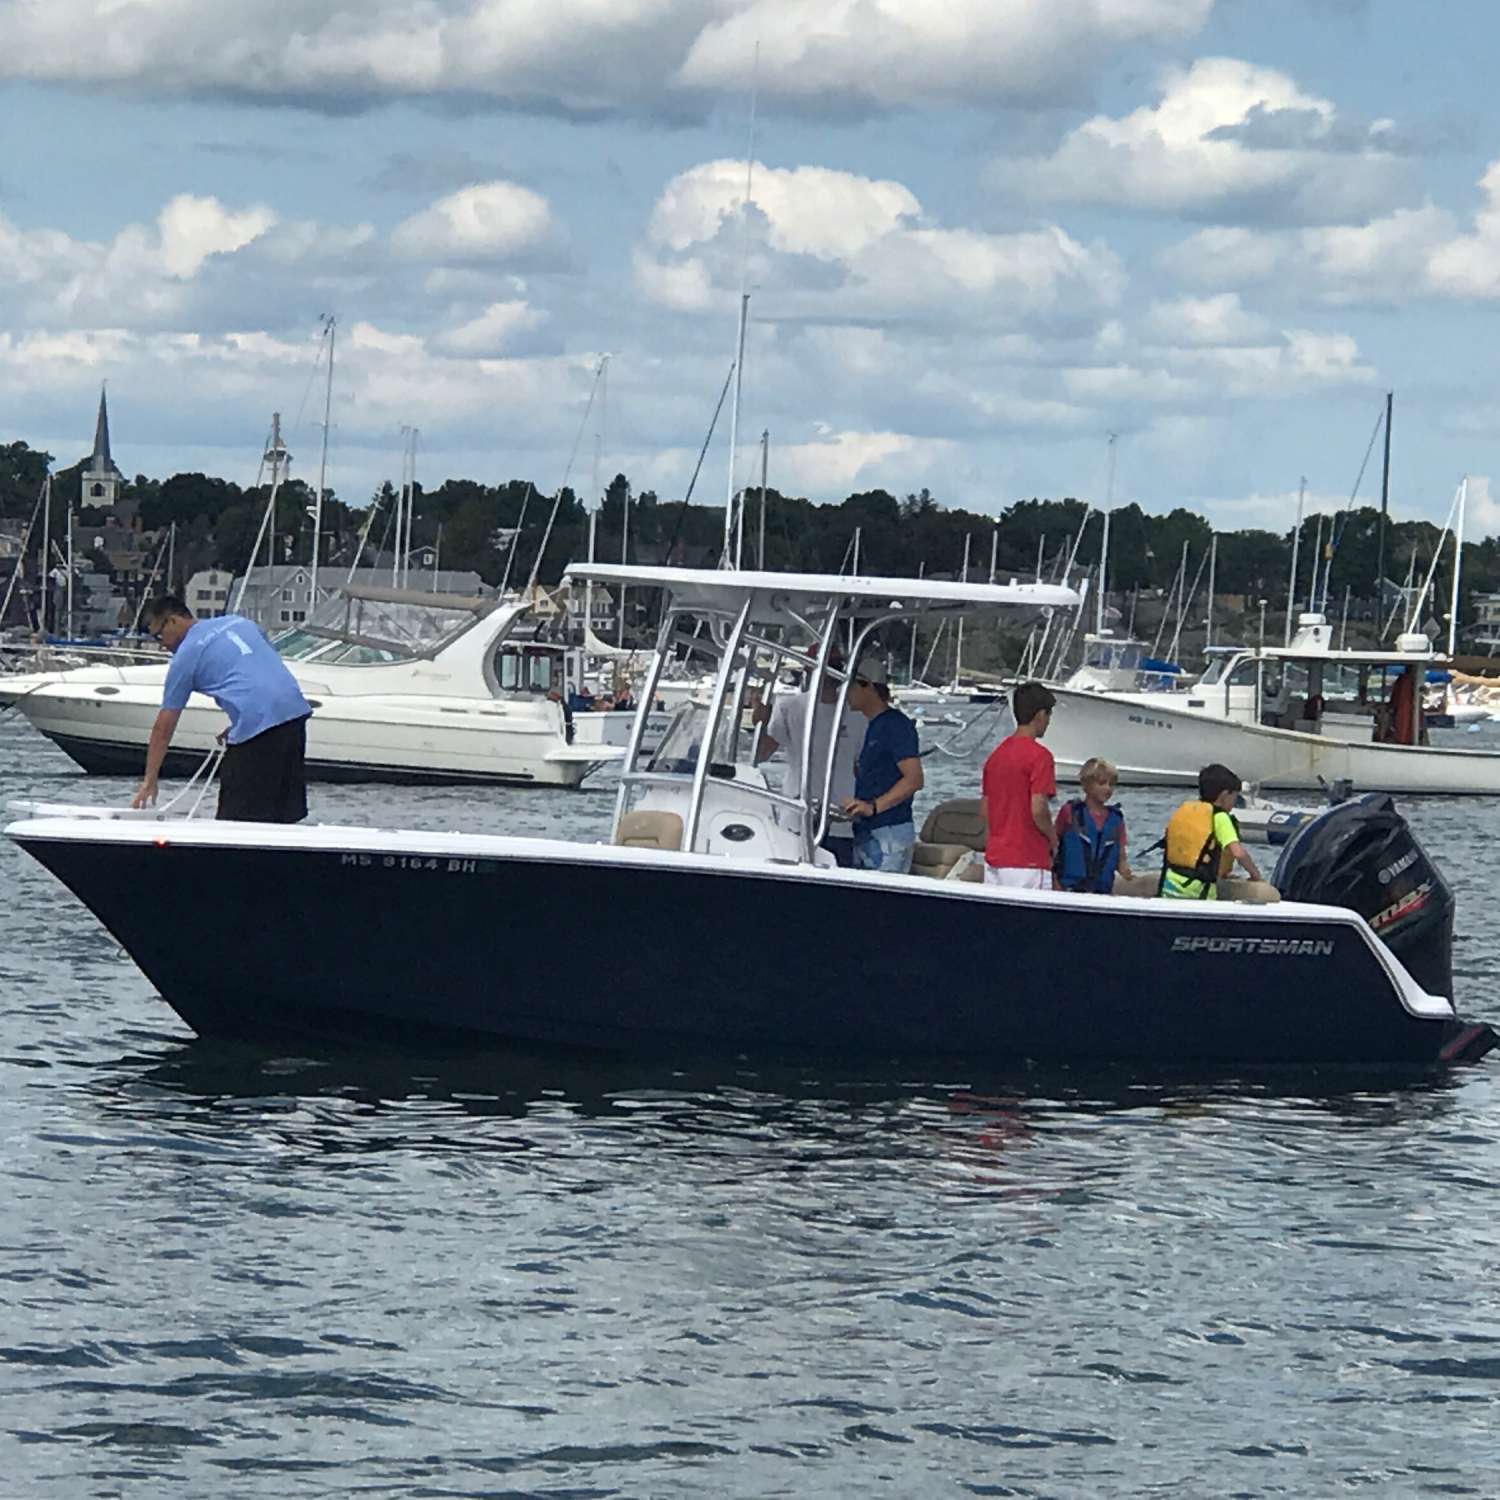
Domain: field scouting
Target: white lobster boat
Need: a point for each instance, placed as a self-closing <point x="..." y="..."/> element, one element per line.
<point x="1289" y="718"/>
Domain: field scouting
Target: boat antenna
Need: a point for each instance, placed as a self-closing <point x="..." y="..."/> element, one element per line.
<point x="536" y="565"/>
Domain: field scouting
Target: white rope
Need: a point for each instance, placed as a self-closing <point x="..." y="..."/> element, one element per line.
<point x="946" y="747"/>
<point x="210" y="765"/>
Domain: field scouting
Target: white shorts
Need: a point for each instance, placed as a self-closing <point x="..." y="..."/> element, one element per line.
<point x="1019" y="880"/>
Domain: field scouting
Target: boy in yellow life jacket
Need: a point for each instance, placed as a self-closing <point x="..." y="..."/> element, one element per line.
<point x="1202" y="841"/>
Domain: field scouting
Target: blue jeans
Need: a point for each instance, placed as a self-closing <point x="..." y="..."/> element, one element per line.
<point x="887" y="849"/>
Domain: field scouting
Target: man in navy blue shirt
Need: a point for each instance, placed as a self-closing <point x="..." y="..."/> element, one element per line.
<point x="263" y="779"/>
<point x="887" y="775"/>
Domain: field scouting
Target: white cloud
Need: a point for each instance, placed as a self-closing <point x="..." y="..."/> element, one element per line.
<point x="1184" y="155"/>
<point x="1189" y="375"/>
<point x="490" y="221"/>
<point x="142" y="275"/>
<point x="1275" y="511"/>
<point x="1481" y="509"/>
<point x="1393" y="259"/>
<point x="497" y="329"/>
<point x="835" y="463"/>
<point x="881" y="53"/>
<point x="651" y="56"/>
<point x="834" y="246"/>
<point x="1469" y="266"/>
<point x="1220" y="319"/>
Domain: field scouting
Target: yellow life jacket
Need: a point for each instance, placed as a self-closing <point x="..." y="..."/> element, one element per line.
<point x="1192" y="852"/>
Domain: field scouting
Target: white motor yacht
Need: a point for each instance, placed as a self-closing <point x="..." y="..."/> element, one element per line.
<point x="405" y="686"/>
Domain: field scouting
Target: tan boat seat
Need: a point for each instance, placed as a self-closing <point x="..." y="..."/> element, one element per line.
<point x="937" y="859"/>
<point x="960" y="820"/>
<point x="1253" y="892"/>
<point x="650" y="830"/>
<point x="952" y="830"/>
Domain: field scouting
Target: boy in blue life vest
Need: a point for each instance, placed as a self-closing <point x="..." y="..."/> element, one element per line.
<point x="1091" y="834"/>
<point x="1202" y="840"/>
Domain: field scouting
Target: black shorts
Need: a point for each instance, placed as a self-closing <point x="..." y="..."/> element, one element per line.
<point x="263" y="780"/>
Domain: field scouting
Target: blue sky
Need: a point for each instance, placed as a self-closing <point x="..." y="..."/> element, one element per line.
<point x="982" y="235"/>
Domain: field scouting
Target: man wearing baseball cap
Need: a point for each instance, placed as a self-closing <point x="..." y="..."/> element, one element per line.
<point x="887" y="775"/>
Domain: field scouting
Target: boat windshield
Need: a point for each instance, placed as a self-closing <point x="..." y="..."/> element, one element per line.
<point x="677" y="755"/>
<point x="1121" y="655"/>
<point x="357" y="631"/>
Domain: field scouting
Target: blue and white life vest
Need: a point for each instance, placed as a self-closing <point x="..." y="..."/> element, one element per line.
<point x="1088" y="854"/>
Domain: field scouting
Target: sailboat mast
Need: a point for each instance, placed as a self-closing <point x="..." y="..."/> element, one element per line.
<point x="70" y="567"/>
<point x="1213" y="562"/>
<point x="958" y="651"/>
<point x="1291" y="585"/>
<point x="911" y="655"/>
<point x="1312" y="596"/>
<point x="1385" y="504"/>
<point x="624" y="559"/>
<point x="734" y="528"/>
<point x="765" y="461"/>
<point x="317" y="538"/>
<point x="1109" y="496"/>
<point x="46" y="578"/>
<point x="411" y="509"/>
<point x="588" y="587"/>
<point x="1458" y="566"/>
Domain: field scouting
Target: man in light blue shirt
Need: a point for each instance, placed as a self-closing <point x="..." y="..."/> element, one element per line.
<point x="263" y="778"/>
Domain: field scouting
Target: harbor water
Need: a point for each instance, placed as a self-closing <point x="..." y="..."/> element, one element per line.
<point x="240" y="1271"/>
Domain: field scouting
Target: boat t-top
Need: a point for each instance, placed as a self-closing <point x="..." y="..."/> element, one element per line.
<point x="732" y="930"/>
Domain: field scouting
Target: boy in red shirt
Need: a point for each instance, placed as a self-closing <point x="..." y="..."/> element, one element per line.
<point x="1019" y="780"/>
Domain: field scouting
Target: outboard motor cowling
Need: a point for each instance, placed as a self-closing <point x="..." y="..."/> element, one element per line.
<point x="1363" y="855"/>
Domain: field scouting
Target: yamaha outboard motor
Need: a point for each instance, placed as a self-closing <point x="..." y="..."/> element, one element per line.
<point x="1364" y="856"/>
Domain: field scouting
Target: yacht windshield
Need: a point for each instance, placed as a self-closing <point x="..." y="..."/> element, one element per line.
<point x="355" y="630"/>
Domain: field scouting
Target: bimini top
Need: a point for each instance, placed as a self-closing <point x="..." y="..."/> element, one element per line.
<point x="725" y="589"/>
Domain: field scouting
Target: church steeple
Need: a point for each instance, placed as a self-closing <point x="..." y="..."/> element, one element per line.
<point x="101" y="477"/>
<point x="100" y="458"/>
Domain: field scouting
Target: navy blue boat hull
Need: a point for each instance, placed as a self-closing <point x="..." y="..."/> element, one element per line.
<point x="108" y="758"/>
<point x="655" y="960"/>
